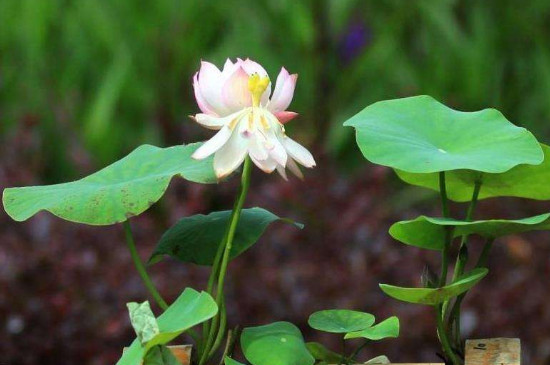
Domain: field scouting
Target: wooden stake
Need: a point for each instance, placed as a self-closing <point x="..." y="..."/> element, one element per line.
<point x="493" y="351"/>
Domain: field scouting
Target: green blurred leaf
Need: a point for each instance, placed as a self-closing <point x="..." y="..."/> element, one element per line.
<point x="429" y="233"/>
<point x="388" y="328"/>
<point x="279" y="343"/>
<point x="126" y="188"/>
<point x="340" y="320"/>
<point x="435" y="296"/>
<point x="420" y="135"/>
<point x="143" y="320"/>
<point x="160" y="355"/>
<point x="321" y="353"/>
<point x="191" y="308"/>
<point x="196" y="239"/>
<point x="523" y="181"/>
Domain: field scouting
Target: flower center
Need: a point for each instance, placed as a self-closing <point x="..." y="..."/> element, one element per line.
<point x="257" y="86"/>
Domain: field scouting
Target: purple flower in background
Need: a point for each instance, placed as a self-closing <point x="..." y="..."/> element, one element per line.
<point x="354" y="40"/>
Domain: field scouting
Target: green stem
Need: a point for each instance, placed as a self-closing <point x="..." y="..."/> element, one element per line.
<point x="454" y="316"/>
<point x="233" y="222"/>
<point x="357" y="350"/>
<point x="463" y="253"/>
<point x="206" y="328"/>
<point x="445" y="256"/>
<point x="443" y="193"/>
<point x="443" y="337"/>
<point x="130" y="242"/>
<point x="482" y="261"/>
<point x="221" y="331"/>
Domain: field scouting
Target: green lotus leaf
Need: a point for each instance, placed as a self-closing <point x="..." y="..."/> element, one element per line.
<point x="420" y="135"/>
<point x="429" y="296"/>
<point x="196" y="239"/>
<point x="191" y="308"/>
<point x="279" y="343"/>
<point x="126" y="188"/>
<point x="340" y="320"/>
<point x="429" y="232"/>
<point x="523" y="181"/>
<point x="321" y="353"/>
<point x="389" y="328"/>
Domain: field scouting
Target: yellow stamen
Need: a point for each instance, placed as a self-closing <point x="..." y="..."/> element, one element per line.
<point x="233" y="123"/>
<point x="257" y="86"/>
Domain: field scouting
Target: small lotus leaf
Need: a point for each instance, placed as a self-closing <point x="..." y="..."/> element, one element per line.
<point x="429" y="296"/>
<point x="340" y="320"/>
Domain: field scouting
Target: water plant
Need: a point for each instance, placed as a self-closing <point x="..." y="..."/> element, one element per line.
<point x="465" y="156"/>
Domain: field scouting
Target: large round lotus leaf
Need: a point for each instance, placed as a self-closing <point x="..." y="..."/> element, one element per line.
<point x="279" y="343"/>
<point x="421" y="135"/>
<point x="388" y="328"/>
<point x="196" y="238"/>
<point x="523" y="181"/>
<point x="429" y="232"/>
<point x="340" y="320"/>
<point x="121" y="190"/>
<point x="434" y="296"/>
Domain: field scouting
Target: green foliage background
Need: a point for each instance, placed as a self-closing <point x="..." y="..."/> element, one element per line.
<point x="114" y="74"/>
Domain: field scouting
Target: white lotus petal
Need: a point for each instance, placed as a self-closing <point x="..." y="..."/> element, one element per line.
<point x="292" y="166"/>
<point x="213" y="144"/>
<point x="282" y="171"/>
<point x="298" y="152"/>
<point x="209" y="121"/>
<point x="228" y="158"/>
<point x="267" y="165"/>
<point x="256" y="149"/>
<point x="278" y="151"/>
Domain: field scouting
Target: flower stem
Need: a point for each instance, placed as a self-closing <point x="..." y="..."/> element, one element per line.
<point x="214" y="330"/>
<point x="130" y="242"/>
<point x="443" y="337"/>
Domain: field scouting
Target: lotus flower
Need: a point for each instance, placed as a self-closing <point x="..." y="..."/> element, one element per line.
<point x="238" y="103"/>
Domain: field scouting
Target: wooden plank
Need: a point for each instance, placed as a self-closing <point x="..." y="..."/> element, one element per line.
<point x="493" y="351"/>
<point x="182" y="353"/>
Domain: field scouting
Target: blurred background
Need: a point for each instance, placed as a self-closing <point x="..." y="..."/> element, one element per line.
<point x="82" y="83"/>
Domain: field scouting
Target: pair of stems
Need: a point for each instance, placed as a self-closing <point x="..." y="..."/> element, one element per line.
<point x="454" y="316"/>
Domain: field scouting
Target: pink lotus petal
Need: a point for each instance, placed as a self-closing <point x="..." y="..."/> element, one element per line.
<point x="210" y="82"/>
<point x="201" y="102"/>
<point x="286" y="116"/>
<point x="284" y="91"/>
<point x="235" y="92"/>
